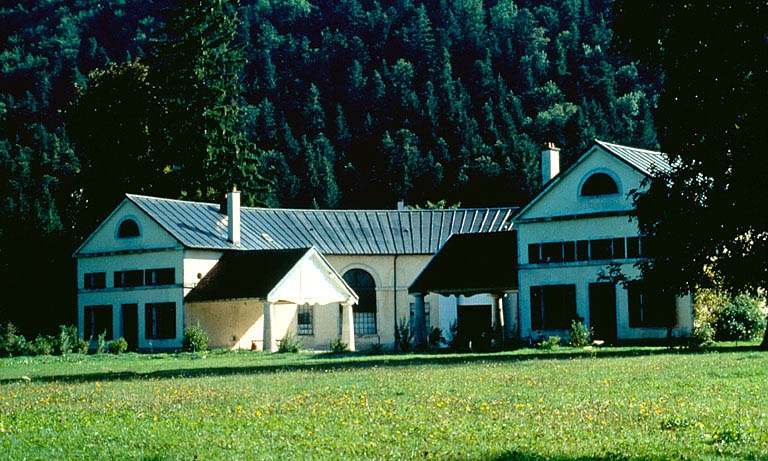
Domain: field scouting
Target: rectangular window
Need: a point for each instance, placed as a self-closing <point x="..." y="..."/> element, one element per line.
<point x="97" y="320"/>
<point x="95" y="280"/>
<point x="552" y="306"/>
<point x="633" y="247"/>
<point x="304" y="320"/>
<point x="552" y="252"/>
<point x="166" y="276"/>
<point x="569" y="251"/>
<point x="129" y="278"/>
<point x="426" y="316"/>
<point x="582" y="250"/>
<point x="160" y="320"/>
<point x="534" y="253"/>
<point x="618" y="249"/>
<point x="650" y="308"/>
<point x="365" y="323"/>
<point x="600" y="249"/>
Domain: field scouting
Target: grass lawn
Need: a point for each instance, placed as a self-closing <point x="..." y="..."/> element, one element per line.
<point x="563" y="404"/>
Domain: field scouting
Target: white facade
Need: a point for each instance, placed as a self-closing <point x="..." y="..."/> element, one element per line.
<point x="116" y="290"/>
<point x="568" y="237"/>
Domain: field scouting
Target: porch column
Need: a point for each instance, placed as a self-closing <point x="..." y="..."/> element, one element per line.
<point x="511" y="316"/>
<point x="270" y="342"/>
<point x="419" y="326"/>
<point x="497" y="317"/>
<point x="348" y="325"/>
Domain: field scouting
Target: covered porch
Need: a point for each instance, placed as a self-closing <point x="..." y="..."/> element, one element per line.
<point x="253" y="299"/>
<point x="468" y="265"/>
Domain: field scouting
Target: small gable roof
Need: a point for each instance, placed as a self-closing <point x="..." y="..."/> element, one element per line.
<point x="332" y="232"/>
<point x="471" y="264"/>
<point x="297" y="275"/>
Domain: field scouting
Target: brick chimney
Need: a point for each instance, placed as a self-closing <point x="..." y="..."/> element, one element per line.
<point x="550" y="162"/>
<point x="233" y="216"/>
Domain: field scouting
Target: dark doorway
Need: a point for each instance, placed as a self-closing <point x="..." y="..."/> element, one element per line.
<point x="602" y="311"/>
<point x="131" y="325"/>
<point x="474" y="327"/>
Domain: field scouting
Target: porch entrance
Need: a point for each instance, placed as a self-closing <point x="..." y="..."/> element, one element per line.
<point x="474" y="326"/>
<point x="130" y="322"/>
<point x="602" y="311"/>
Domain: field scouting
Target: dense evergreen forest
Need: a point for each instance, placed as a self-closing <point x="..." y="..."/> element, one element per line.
<point x="349" y="104"/>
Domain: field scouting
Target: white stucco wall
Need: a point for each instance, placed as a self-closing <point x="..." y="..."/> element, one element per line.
<point x="585" y="218"/>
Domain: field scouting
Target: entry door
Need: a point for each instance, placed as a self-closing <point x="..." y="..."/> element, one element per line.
<point x="131" y="325"/>
<point x="602" y="311"/>
<point x="474" y="324"/>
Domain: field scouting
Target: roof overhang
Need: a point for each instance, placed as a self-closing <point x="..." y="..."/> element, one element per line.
<point x="471" y="264"/>
<point x="300" y="276"/>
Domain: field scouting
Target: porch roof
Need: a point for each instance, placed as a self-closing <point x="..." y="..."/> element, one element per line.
<point x="471" y="264"/>
<point x="300" y="276"/>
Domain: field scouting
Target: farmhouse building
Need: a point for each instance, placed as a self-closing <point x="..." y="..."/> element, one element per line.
<point x="251" y="276"/>
<point x="568" y="238"/>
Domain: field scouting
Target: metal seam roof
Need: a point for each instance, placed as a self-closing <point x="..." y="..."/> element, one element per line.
<point x="201" y="225"/>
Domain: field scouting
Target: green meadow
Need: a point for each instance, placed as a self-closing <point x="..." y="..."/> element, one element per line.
<point x="561" y="404"/>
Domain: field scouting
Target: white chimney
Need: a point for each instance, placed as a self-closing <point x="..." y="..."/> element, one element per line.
<point x="550" y="162"/>
<point x="233" y="216"/>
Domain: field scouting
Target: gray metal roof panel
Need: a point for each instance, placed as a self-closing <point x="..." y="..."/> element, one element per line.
<point x="645" y="161"/>
<point x="201" y="225"/>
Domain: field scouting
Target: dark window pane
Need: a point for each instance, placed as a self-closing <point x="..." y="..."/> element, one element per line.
<point x="165" y="276"/>
<point x="534" y="255"/>
<point x="600" y="249"/>
<point x="129" y="278"/>
<point x="536" y="309"/>
<point x="650" y="308"/>
<point x="569" y="251"/>
<point x="365" y="311"/>
<point x="304" y="320"/>
<point x="128" y="228"/>
<point x="618" y="249"/>
<point x="97" y="320"/>
<point x="559" y="306"/>
<point x="633" y="247"/>
<point x="599" y="184"/>
<point x="552" y="252"/>
<point x="95" y="280"/>
<point x="582" y="250"/>
<point x="160" y="320"/>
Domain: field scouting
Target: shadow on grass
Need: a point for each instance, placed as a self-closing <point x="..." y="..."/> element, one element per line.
<point x="353" y="361"/>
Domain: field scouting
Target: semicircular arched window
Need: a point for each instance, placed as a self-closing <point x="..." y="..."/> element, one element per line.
<point x="365" y="310"/>
<point x="599" y="184"/>
<point x="128" y="228"/>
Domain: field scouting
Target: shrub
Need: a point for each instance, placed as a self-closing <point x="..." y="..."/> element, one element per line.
<point x="550" y="343"/>
<point x="118" y="346"/>
<point x="195" y="339"/>
<point x="43" y="345"/>
<point x="742" y="319"/>
<point x="81" y="346"/>
<point x="338" y="346"/>
<point x="579" y="335"/>
<point x="68" y="339"/>
<point x="289" y="344"/>
<point x="708" y="302"/>
<point x="435" y="338"/>
<point x="403" y="336"/>
<point x="11" y="342"/>
<point x="101" y="342"/>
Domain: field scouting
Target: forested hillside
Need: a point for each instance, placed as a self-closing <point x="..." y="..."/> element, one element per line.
<point x="349" y="103"/>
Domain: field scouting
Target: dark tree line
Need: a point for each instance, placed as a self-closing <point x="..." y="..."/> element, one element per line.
<point x="351" y="103"/>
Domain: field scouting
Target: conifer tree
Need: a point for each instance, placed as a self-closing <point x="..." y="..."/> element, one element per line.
<point x="199" y="127"/>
